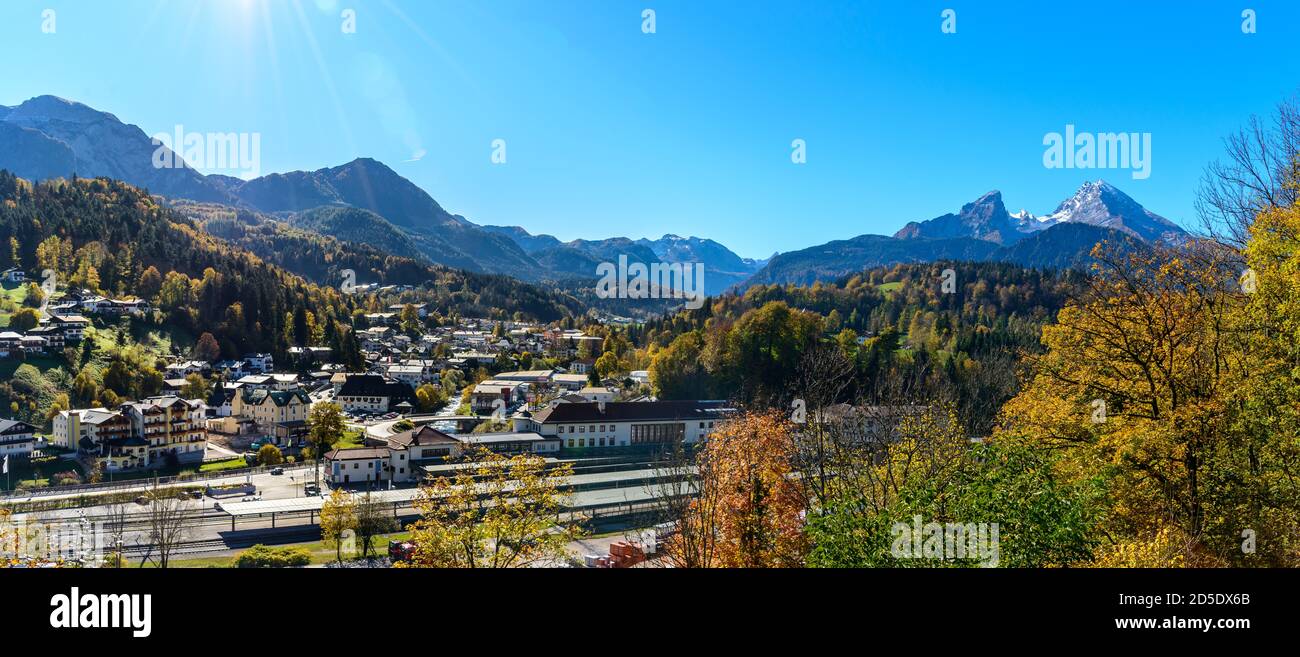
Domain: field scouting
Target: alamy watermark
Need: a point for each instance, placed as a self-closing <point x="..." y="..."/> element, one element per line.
<point x="31" y="541"/>
<point x="658" y="280"/>
<point x="237" y="153"/>
<point x="1102" y="150"/>
<point x="73" y="610"/>
<point x="952" y="541"/>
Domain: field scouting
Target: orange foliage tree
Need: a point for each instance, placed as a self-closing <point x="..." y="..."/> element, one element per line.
<point x="755" y="505"/>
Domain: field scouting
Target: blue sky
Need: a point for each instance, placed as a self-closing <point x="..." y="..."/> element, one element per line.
<point x="610" y="131"/>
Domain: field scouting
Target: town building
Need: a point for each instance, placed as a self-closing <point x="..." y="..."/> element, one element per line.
<point x="103" y="434"/>
<point x="622" y="424"/>
<point x="569" y="382"/>
<point x="17" y="439"/>
<point x="372" y="393"/>
<point x="281" y="414"/>
<point x="73" y="326"/>
<point x="173" y="427"/>
<point x="494" y="394"/>
<point x="259" y="363"/>
<point x="402" y="457"/>
<point x="598" y="394"/>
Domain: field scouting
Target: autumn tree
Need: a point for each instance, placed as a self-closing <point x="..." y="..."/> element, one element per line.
<point x="269" y="455"/>
<point x="35" y="295"/>
<point x="1144" y="383"/>
<point x="196" y="387"/>
<point x="338" y="521"/>
<point x="373" y="521"/>
<point x="24" y="319"/>
<point x="207" y="349"/>
<point x="429" y="398"/>
<point x="324" y="428"/>
<point x="496" y="512"/>
<point x="690" y="510"/>
<point x="746" y="467"/>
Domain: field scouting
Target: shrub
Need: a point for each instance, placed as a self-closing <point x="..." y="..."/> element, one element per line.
<point x="261" y="556"/>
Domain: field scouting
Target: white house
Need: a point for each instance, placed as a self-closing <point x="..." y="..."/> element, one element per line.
<point x="597" y="394"/>
<point x="484" y="398"/>
<point x="74" y="326"/>
<point x="17" y="439"/>
<point x="621" y="424"/>
<point x="260" y="363"/>
<point x="403" y="455"/>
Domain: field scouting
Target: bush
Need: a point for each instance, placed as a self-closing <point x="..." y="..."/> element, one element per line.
<point x="261" y="556"/>
<point x="68" y="478"/>
<point x="269" y="455"/>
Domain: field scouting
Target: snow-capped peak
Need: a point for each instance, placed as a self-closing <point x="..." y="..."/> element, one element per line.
<point x="1099" y="203"/>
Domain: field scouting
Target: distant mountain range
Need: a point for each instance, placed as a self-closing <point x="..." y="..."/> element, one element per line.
<point x="1096" y="204"/>
<point x="361" y="201"/>
<point x="722" y="268"/>
<point x="984" y="230"/>
<point x="366" y="202"/>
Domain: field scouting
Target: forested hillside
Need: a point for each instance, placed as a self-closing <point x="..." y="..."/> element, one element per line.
<point x="890" y="334"/>
<point x="107" y="236"/>
<point x="240" y="278"/>
<point x="323" y="259"/>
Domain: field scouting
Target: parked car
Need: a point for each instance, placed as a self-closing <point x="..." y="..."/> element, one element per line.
<point x="401" y="550"/>
<point x="277" y="471"/>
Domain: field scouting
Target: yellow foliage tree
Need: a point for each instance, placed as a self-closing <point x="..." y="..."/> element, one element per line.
<point x="495" y="512"/>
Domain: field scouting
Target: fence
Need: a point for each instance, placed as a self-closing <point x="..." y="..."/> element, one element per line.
<point x="141" y="482"/>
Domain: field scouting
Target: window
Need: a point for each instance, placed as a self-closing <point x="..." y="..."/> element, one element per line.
<point x="570" y="442"/>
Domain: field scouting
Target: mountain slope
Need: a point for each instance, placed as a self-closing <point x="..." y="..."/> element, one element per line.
<point x="99" y="145"/>
<point x="530" y="243"/>
<point x="358" y="226"/>
<point x="986" y="218"/>
<point x="48" y="137"/>
<point x="1063" y="246"/>
<point x="369" y="185"/>
<point x="1101" y="204"/>
<point x="832" y="260"/>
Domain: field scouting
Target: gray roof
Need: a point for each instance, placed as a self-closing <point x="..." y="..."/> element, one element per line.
<point x="633" y="411"/>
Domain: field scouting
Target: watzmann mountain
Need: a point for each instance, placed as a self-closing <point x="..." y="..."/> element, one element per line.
<point x="984" y="230"/>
